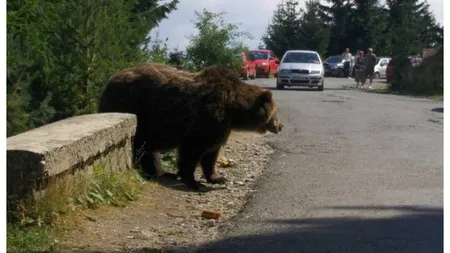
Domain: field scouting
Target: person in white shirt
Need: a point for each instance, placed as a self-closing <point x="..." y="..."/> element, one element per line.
<point x="347" y="60"/>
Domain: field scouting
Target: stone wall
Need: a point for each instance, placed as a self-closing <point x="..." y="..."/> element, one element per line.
<point x="66" y="147"/>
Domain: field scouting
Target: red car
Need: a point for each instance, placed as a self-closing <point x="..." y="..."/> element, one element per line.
<point x="248" y="68"/>
<point x="265" y="60"/>
<point x="412" y="60"/>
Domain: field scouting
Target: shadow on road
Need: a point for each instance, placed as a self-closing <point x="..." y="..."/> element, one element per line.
<point x="439" y="109"/>
<point x="419" y="229"/>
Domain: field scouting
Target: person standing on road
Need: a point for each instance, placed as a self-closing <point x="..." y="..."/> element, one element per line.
<point x="347" y="59"/>
<point x="360" y="73"/>
<point x="371" y="61"/>
<point x="354" y="65"/>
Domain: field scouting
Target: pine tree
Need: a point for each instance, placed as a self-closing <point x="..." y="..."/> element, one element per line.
<point x="21" y="114"/>
<point x="283" y="32"/>
<point x="368" y="26"/>
<point x="338" y="16"/>
<point x="313" y="31"/>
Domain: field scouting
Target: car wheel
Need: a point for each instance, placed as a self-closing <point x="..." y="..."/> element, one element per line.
<point x="377" y="75"/>
<point x="320" y="88"/>
<point x="280" y="86"/>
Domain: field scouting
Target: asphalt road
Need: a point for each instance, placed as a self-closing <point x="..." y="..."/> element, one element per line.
<point x="353" y="172"/>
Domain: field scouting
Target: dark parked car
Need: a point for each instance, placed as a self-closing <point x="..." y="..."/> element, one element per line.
<point x="334" y="66"/>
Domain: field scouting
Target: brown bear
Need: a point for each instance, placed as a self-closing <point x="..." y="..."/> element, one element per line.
<point x="192" y="112"/>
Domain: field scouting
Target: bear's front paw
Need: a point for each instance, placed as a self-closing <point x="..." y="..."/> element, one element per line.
<point x="217" y="180"/>
<point x="192" y="184"/>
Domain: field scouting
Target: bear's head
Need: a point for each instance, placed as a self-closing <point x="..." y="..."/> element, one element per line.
<point x="248" y="107"/>
<point x="255" y="110"/>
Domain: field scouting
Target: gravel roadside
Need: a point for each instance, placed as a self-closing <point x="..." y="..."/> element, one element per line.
<point x="166" y="216"/>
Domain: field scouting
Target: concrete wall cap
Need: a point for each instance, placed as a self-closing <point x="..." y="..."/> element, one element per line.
<point x="64" y="132"/>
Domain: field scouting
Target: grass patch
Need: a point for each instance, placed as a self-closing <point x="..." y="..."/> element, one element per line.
<point x="437" y="97"/>
<point x="379" y="88"/>
<point x="429" y="95"/>
<point x="169" y="160"/>
<point x="385" y="89"/>
<point x="31" y="226"/>
<point x="32" y="239"/>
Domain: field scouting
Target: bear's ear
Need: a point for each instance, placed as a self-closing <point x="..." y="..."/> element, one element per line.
<point x="265" y="96"/>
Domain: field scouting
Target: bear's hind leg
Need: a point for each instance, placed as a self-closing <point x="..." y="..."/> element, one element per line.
<point x="154" y="165"/>
<point x="151" y="163"/>
<point x="208" y="163"/>
<point x="147" y="159"/>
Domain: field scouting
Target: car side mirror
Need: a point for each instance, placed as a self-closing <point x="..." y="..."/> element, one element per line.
<point x="277" y="61"/>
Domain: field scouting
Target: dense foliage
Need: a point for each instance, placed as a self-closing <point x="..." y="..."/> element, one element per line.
<point x="217" y="42"/>
<point x="294" y="28"/>
<point x="60" y="53"/>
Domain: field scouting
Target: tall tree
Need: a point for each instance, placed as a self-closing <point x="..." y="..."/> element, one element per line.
<point x="313" y="30"/>
<point x="147" y="15"/>
<point x="283" y="32"/>
<point x="368" y="26"/>
<point x="337" y="13"/>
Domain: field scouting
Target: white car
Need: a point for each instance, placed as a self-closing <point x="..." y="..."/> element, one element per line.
<point x="300" y="68"/>
<point x="379" y="71"/>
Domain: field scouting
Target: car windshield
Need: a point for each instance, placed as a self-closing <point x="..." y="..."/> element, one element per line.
<point x="258" y="55"/>
<point x="334" y="59"/>
<point x="301" y="57"/>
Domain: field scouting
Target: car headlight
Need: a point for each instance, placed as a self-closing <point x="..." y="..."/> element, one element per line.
<point x="314" y="72"/>
<point x="340" y="65"/>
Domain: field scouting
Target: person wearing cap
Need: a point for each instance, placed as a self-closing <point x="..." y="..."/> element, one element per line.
<point x="370" y="61"/>
<point x="360" y="74"/>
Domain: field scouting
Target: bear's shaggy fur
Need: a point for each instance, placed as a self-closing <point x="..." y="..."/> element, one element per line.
<point x="193" y="112"/>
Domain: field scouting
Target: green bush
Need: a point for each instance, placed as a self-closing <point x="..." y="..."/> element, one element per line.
<point x="426" y="79"/>
<point x="216" y="43"/>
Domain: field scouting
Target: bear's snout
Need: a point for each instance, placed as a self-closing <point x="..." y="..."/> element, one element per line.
<point x="275" y="126"/>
